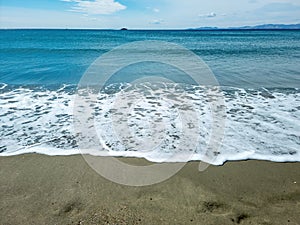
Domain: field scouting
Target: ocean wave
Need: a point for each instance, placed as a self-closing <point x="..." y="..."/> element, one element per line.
<point x="2" y="86"/>
<point x="260" y="123"/>
<point x="53" y="50"/>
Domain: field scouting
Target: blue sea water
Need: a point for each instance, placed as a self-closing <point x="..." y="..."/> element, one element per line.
<point x="259" y="72"/>
<point x="237" y="58"/>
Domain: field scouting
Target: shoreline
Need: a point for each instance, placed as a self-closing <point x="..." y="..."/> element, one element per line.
<point x="76" y="153"/>
<point x="40" y="189"/>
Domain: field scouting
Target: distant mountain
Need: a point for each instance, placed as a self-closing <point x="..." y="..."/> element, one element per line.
<point x="258" y="27"/>
<point x="205" y="28"/>
<point x="271" y="26"/>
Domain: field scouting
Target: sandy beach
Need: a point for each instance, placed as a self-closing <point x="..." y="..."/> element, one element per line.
<point x="38" y="189"/>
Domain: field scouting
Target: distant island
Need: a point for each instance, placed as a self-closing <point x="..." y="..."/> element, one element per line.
<point x="258" y="27"/>
<point x="124" y="28"/>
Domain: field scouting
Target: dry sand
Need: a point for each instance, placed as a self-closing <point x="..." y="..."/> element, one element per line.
<point x="37" y="189"/>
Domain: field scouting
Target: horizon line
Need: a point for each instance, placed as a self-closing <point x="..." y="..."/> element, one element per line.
<point x="243" y="27"/>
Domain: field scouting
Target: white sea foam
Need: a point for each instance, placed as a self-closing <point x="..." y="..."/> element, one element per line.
<point x="259" y="124"/>
<point x="2" y="86"/>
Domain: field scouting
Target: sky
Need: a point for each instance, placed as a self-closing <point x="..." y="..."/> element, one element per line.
<point x="145" y="14"/>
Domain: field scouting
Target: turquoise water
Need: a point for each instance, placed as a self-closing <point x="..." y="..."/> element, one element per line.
<point x="258" y="71"/>
<point x="237" y="58"/>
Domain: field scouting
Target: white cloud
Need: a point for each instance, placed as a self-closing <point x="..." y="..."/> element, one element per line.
<point x="176" y="14"/>
<point x="212" y="14"/>
<point x="209" y="15"/>
<point x="157" y="22"/>
<point x="100" y="7"/>
<point x="156" y="10"/>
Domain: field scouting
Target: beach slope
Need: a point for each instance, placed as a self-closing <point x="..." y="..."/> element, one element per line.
<point x="38" y="189"/>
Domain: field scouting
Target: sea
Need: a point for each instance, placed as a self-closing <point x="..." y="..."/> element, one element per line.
<point x="165" y="118"/>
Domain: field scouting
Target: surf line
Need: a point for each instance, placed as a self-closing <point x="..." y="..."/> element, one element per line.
<point x="38" y="144"/>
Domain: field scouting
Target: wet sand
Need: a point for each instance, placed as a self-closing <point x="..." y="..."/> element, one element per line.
<point x="37" y="189"/>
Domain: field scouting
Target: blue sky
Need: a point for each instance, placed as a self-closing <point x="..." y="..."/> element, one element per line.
<point x="151" y="14"/>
